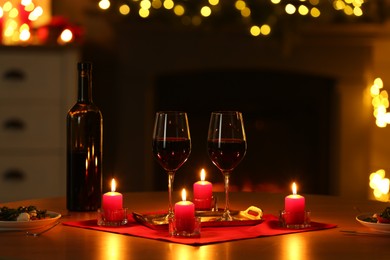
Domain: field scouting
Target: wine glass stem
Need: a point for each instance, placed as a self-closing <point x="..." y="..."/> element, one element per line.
<point x="171" y="176"/>
<point x="226" y="214"/>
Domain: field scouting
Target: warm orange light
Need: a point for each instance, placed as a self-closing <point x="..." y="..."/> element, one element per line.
<point x="380" y="103"/>
<point x="104" y="4"/>
<point x="18" y="16"/>
<point x="294" y="188"/>
<point x="380" y="185"/>
<point x="183" y="195"/>
<point x="202" y="175"/>
<point x="303" y="7"/>
<point x="113" y="185"/>
<point x="66" y="35"/>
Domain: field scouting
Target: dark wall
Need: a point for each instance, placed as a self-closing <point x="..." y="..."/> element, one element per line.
<point x="287" y="120"/>
<point x="147" y="67"/>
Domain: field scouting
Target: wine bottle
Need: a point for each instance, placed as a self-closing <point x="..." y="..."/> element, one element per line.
<point x="84" y="147"/>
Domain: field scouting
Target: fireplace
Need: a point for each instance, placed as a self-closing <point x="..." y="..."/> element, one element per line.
<point x="148" y="68"/>
<point x="288" y="120"/>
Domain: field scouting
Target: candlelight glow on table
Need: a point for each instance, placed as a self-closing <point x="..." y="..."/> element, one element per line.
<point x="203" y="193"/>
<point x="112" y="212"/>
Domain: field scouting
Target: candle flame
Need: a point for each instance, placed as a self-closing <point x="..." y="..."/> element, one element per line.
<point x="113" y="185"/>
<point x="294" y="188"/>
<point x="202" y="175"/>
<point x="183" y="194"/>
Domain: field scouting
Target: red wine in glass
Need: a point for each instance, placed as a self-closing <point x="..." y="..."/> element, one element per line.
<point x="171" y="147"/>
<point x="226" y="145"/>
<point x="226" y="154"/>
<point x="171" y="153"/>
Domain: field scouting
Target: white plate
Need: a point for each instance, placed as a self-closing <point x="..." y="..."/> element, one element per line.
<point x="32" y="224"/>
<point x="379" y="227"/>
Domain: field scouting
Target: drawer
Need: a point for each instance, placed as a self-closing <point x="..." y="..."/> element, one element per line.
<point x="30" y="75"/>
<point x="31" y="126"/>
<point x="29" y="177"/>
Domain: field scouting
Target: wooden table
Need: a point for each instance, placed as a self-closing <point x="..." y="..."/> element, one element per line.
<point x="64" y="242"/>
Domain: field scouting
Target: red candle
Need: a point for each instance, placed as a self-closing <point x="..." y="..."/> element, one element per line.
<point x="294" y="207"/>
<point x="203" y="192"/>
<point x="185" y="214"/>
<point x="112" y="203"/>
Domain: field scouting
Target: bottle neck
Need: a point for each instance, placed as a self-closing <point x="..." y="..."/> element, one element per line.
<point x="85" y="86"/>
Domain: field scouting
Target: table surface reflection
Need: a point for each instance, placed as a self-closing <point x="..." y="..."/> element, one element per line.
<point x="64" y="242"/>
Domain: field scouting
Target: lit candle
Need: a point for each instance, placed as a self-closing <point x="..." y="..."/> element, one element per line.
<point x="203" y="192"/>
<point x="113" y="203"/>
<point x="294" y="206"/>
<point x="184" y="214"/>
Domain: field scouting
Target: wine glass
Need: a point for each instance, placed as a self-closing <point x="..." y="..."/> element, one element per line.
<point x="171" y="145"/>
<point x="226" y="145"/>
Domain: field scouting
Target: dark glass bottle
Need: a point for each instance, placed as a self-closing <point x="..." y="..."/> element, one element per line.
<point x="84" y="147"/>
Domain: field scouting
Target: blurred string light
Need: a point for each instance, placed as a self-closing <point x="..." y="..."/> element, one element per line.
<point x="66" y="36"/>
<point x="380" y="185"/>
<point x="260" y="17"/>
<point x="16" y="19"/>
<point x="380" y="103"/>
<point x="30" y="22"/>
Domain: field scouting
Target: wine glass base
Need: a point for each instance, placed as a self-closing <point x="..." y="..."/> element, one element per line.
<point x="226" y="216"/>
<point x="162" y="219"/>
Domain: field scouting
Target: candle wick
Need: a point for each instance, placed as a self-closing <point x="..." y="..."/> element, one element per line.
<point x="183" y="195"/>
<point x="113" y="185"/>
<point x="202" y="175"/>
<point x="294" y="188"/>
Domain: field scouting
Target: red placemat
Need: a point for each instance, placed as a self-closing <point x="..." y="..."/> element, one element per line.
<point x="270" y="227"/>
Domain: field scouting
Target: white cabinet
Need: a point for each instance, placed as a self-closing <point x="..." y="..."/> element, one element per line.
<point x="37" y="87"/>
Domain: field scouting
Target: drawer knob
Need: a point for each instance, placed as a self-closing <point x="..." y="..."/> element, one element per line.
<point x="14" y="175"/>
<point x="14" y="124"/>
<point x="14" y="75"/>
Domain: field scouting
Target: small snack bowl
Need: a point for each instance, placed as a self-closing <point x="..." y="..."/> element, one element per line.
<point x="112" y="218"/>
<point x="295" y="220"/>
<point x="179" y="228"/>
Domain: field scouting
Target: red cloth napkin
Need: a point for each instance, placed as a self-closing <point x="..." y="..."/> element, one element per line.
<point x="270" y="227"/>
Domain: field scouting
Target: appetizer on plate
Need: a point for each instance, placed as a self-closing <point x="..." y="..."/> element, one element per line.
<point x="22" y="214"/>
<point x="383" y="217"/>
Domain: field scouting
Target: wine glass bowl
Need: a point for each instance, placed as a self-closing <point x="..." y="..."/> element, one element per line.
<point x="171" y="146"/>
<point x="171" y="152"/>
<point x="226" y="154"/>
<point x="226" y="145"/>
